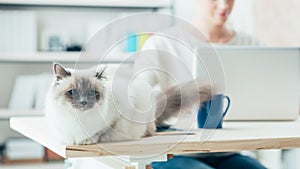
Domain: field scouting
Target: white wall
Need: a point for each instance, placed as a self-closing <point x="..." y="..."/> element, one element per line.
<point x="242" y="16"/>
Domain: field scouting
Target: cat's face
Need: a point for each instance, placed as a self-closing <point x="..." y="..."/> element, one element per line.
<point x="82" y="90"/>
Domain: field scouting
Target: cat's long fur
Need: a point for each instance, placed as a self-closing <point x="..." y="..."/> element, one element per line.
<point x="110" y="116"/>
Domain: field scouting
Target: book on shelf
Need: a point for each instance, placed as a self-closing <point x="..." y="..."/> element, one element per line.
<point x="135" y="42"/>
<point x="18" y="31"/>
<point x="44" y="81"/>
<point x="23" y="93"/>
<point x="29" y="92"/>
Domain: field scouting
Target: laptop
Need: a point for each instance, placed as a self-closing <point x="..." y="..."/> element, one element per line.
<point x="262" y="82"/>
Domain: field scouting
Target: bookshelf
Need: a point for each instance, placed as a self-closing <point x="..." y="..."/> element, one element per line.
<point x="5" y="114"/>
<point x="47" y="165"/>
<point x="60" y="13"/>
<point x="70" y="57"/>
<point x="73" y="18"/>
<point x="93" y="3"/>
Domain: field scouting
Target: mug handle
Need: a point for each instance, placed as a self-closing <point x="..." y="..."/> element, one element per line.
<point x="228" y="104"/>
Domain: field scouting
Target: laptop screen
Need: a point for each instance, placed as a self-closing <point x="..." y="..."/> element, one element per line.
<point x="262" y="82"/>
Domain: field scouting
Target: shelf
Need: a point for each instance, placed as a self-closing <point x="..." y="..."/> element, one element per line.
<point x="6" y="113"/>
<point x="93" y="3"/>
<point x="47" y="165"/>
<point x="57" y="57"/>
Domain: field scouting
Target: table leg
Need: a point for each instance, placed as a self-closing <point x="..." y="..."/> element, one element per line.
<point x="144" y="162"/>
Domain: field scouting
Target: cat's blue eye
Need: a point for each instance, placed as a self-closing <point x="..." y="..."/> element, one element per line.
<point x="73" y="92"/>
<point x="92" y="92"/>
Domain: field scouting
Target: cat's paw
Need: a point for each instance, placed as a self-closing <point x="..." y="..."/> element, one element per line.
<point x="90" y="140"/>
<point x="87" y="142"/>
<point x="150" y="129"/>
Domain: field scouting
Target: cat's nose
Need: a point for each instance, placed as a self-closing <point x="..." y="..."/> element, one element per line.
<point x="83" y="103"/>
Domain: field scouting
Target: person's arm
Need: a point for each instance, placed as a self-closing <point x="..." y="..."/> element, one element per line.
<point x="165" y="60"/>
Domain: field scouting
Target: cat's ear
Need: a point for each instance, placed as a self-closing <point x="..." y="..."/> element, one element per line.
<point x="60" y="72"/>
<point x="100" y="72"/>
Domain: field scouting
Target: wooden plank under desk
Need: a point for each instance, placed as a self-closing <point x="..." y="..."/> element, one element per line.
<point x="235" y="136"/>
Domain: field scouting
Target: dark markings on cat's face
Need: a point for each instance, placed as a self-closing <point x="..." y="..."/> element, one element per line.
<point x="100" y="75"/>
<point x="84" y="95"/>
<point x="60" y="72"/>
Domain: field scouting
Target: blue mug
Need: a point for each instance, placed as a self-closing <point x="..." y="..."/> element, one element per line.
<point x="210" y="114"/>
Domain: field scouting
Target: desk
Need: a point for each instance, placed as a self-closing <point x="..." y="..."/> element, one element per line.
<point x="235" y="136"/>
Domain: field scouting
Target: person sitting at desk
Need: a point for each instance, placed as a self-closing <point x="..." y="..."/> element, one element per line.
<point x="212" y="23"/>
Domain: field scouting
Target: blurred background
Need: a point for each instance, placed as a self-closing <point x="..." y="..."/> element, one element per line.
<point x="33" y="34"/>
<point x="273" y="22"/>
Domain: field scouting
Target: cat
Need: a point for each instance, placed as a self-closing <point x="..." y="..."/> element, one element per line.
<point x="84" y="106"/>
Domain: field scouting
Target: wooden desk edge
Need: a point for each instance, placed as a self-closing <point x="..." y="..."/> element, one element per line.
<point x="113" y="149"/>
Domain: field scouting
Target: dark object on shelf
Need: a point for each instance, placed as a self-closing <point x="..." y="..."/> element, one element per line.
<point x="1" y="149"/>
<point x="74" y="48"/>
<point x="55" y="43"/>
<point x="166" y="128"/>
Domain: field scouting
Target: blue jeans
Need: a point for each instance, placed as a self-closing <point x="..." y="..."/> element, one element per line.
<point x="234" y="161"/>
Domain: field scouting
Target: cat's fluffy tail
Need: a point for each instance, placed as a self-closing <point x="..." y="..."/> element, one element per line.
<point x="181" y="99"/>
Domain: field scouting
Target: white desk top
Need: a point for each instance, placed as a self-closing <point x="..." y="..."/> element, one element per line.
<point x="235" y="136"/>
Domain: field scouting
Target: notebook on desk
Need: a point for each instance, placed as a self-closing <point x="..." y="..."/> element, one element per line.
<point x="262" y="82"/>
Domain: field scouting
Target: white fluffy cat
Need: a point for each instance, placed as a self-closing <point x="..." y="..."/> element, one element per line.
<point x="86" y="107"/>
